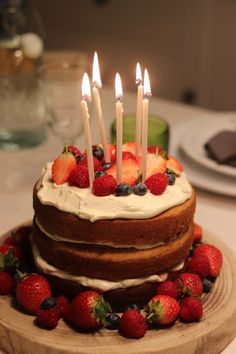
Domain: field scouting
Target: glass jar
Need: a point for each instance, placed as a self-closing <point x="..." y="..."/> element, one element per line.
<point x="22" y="113"/>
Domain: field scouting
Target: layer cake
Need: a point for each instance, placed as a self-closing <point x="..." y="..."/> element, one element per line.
<point x="121" y="246"/>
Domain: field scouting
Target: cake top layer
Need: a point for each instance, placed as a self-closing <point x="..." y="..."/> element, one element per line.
<point x="82" y="202"/>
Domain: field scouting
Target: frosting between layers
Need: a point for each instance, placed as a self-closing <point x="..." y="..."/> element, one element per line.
<point x="81" y="202"/>
<point x="99" y="284"/>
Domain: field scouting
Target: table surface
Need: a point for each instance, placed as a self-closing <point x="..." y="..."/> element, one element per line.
<point x="19" y="171"/>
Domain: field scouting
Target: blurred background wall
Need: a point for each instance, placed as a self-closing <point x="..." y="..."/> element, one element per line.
<point x="188" y="46"/>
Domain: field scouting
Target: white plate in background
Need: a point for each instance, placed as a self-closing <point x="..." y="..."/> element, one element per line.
<point x="200" y="176"/>
<point x="197" y="133"/>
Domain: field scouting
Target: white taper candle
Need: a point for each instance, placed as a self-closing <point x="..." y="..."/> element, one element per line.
<point x="119" y="127"/>
<point x="97" y="84"/>
<point x="86" y="96"/>
<point x="139" y="82"/>
<point x="147" y="94"/>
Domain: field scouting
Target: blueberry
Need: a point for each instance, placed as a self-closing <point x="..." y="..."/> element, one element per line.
<point x="98" y="152"/>
<point x="16" y="279"/>
<point x="113" y="321"/>
<point x="133" y="307"/>
<point x="106" y="165"/>
<point x="48" y="303"/>
<point x="99" y="174"/>
<point x="140" y="189"/>
<point x="207" y="285"/>
<point x="171" y="178"/>
<point x="123" y="189"/>
<point x="211" y="279"/>
<point x="79" y="158"/>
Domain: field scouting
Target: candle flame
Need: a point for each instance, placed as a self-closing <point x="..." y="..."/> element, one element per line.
<point x="146" y="89"/>
<point x="139" y="78"/>
<point x="118" y="87"/>
<point x="96" y="72"/>
<point x="86" y="91"/>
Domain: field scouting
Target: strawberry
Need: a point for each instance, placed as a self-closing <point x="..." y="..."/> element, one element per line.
<point x="22" y="236"/>
<point x="153" y="149"/>
<point x="189" y="284"/>
<point x="197" y="233"/>
<point x="63" y="166"/>
<point x="31" y="291"/>
<point x="162" y="309"/>
<point x="88" y="310"/>
<point x="74" y="150"/>
<point x="10" y="256"/>
<point x="130" y="171"/>
<point x="96" y="163"/>
<point x="157" y="183"/>
<point x="200" y="265"/>
<point x="48" y="318"/>
<point x="10" y="241"/>
<point x="132" y="324"/>
<point x="79" y="177"/>
<point x="63" y="305"/>
<point x="190" y="309"/>
<point x="130" y="147"/>
<point x="111" y="150"/>
<point x="174" y="165"/>
<point x="155" y="164"/>
<point x="6" y="248"/>
<point x="126" y="155"/>
<point x="104" y="185"/>
<point x="214" y="256"/>
<point x="168" y="288"/>
<point x="6" y="283"/>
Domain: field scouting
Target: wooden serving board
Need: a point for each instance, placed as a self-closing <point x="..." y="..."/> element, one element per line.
<point x="212" y="334"/>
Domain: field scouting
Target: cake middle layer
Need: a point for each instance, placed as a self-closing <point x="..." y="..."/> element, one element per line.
<point x="109" y="263"/>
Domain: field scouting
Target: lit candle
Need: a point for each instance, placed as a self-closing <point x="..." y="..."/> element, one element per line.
<point x="97" y="84"/>
<point x="139" y="82"/>
<point x="147" y="94"/>
<point x="86" y="96"/>
<point x="119" y="127"/>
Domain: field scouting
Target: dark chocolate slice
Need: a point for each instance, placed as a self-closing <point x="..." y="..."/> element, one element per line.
<point x="222" y="148"/>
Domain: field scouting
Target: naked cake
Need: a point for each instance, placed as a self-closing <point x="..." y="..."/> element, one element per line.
<point x="121" y="243"/>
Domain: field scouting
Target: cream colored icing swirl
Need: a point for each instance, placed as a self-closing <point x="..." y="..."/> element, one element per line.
<point x="81" y="202"/>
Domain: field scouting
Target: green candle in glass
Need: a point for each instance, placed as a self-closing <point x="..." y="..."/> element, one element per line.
<point x="158" y="131"/>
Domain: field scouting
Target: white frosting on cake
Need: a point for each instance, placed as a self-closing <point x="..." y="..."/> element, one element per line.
<point x="81" y="202"/>
<point x="99" y="284"/>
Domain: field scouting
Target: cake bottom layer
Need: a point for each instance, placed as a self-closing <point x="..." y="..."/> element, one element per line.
<point x="138" y="291"/>
<point x="118" y="298"/>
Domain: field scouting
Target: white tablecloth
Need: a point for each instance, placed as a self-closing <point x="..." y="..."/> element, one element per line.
<point x="19" y="171"/>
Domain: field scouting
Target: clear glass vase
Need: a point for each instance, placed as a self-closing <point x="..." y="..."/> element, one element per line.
<point x="22" y="113"/>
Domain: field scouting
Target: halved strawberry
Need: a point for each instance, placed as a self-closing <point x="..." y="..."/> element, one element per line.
<point x="126" y="155"/>
<point x="111" y="150"/>
<point x="153" y="149"/>
<point x="130" y="171"/>
<point x="130" y="147"/>
<point x="74" y="150"/>
<point x="174" y="165"/>
<point x="63" y="166"/>
<point x="155" y="164"/>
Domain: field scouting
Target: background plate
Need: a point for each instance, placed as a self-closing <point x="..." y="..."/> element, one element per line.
<point x="198" y="133"/>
